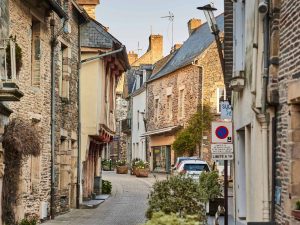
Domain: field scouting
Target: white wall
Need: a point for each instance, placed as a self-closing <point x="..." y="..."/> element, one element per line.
<point x="138" y="126"/>
<point x="249" y="160"/>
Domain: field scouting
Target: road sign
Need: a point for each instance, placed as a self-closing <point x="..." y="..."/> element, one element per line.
<point x="226" y="112"/>
<point x="222" y="156"/>
<point x="221" y="132"/>
<point x="221" y="148"/>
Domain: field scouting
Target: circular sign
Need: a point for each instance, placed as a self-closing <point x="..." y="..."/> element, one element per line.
<point x="222" y="132"/>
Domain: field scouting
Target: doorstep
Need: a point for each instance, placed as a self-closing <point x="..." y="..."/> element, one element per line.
<point x="102" y="197"/>
<point x="91" y="204"/>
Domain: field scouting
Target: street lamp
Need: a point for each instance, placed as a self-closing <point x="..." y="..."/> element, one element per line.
<point x="212" y="24"/>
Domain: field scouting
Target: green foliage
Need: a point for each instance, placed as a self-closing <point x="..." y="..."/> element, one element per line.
<point x="160" y="218"/>
<point x="106" y="187"/>
<point x="18" y="54"/>
<point x="121" y="162"/>
<point x="187" y="139"/>
<point x="184" y="143"/>
<point x="179" y="195"/>
<point x="134" y="161"/>
<point x="141" y="164"/>
<point x="209" y="186"/>
<point x="106" y="165"/>
<point x="28" y="222"/>
<point x="298" y="205"/>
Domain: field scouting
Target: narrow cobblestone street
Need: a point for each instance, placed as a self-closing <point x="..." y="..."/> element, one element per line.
<point x="126" y="206"/>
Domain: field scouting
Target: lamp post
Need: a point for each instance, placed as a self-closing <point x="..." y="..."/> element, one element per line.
<point x="212" y="23"/>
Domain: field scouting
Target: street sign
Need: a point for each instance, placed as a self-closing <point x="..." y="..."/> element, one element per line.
<point x="222" y="156"/>
<point x="221" y="148"/>
<point x="226" y="112"/>
<point x="221" y="132"/>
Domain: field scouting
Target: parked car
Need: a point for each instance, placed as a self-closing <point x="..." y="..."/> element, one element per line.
<point x="192" y="168"/>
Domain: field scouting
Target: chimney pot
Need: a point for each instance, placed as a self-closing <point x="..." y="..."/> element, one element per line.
<point x="193" y="24"/>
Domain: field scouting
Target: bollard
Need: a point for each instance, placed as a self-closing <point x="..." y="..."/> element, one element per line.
<point x="110" y="164"/>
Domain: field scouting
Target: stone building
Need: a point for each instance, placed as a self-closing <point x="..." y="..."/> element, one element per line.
<point x="8" y="90"/>
<point x="284" y="94"/>
<point x="104" y="60"/>
<point x="182" y="81"/>
<point x="48" y="33"/>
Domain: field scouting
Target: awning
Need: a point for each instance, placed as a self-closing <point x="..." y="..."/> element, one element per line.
<point x="172" y="129"/>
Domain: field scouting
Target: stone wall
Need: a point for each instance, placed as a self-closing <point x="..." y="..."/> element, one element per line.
<point x="34" y="106"/>
<point x="287" y="151"/>
<point x="67" y="116"/>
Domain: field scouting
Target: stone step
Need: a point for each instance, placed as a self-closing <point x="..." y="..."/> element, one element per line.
<point x="102" y="197"/>
<point x="91" y="204"/>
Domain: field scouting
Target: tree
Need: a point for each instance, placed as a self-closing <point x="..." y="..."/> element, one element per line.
<point x="178" y="195"/>
<point x="209" y="186"/>
<point x="191" y="136"/>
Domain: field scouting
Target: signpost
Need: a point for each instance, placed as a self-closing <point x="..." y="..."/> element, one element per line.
<point x="222" y="149"/>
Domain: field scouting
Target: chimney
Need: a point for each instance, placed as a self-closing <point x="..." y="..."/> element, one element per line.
<point x="132" y="57"/>
<point x="89" y="6"/>
<point x="193" y="24"/>
<point x="156" y="46"/>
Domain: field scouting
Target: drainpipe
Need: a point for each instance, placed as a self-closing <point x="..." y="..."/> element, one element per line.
<point x="53" y="44"/>
<point x="264" y="120"/>
<point x="78" y="185"/>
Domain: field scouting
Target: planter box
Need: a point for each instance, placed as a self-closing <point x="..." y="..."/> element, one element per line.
<point x="142" y="172"/>
<point x="122" y="169"/>
<point x="296" y="214"/>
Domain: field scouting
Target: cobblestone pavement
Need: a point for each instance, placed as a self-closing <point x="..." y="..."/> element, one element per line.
<point x="126" y="206"/>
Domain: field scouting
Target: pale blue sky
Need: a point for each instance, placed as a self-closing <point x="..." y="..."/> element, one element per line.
<point x="130" y="21"/>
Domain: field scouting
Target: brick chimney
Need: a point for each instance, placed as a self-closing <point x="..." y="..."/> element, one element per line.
<point x="89" y="6"/>
<point x="193" y="24"/>
<point x="176" y="47"/>
<point x="156" y="46"/>
<point x="132" y="57"/>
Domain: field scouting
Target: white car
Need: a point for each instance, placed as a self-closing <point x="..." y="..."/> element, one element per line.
<point x="192" y="168"/>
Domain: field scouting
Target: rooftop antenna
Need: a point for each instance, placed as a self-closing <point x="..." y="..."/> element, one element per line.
<point x="138" y="48"/>
<point x="171" y="19"/>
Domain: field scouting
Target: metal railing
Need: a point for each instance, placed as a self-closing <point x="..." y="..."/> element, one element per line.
<point x="7" y="60"/>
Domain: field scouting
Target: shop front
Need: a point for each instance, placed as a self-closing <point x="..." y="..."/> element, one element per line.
<point x="161" y="158"/>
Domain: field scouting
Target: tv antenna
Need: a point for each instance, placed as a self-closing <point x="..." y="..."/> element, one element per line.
<point x="138" y="48"/>
<point x="171" y="19"/>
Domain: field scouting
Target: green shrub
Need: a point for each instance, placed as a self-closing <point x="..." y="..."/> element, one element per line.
<point x="209" y="186"/>
<point x="179" y="195"/>
<point x="28" y="222"/>
<point x="159" y="218"/>
<point x="121" y="162"/>
<point x="106" y="187"/>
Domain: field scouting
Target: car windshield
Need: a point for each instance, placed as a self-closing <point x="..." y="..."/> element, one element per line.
<point x="196" y="167"/>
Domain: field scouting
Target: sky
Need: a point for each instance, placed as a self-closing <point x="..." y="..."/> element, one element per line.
<point x="131" y="21"/>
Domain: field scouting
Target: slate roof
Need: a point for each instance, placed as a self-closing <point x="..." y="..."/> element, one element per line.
<point x="130" y="76"/>
<point x="94" y="35"/>
<point x="196" y="44"/>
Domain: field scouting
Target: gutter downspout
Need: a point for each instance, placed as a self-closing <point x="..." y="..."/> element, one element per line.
<point x="78" y="185"/>
<point x="52" y="209"/>
<point x="264" y="120"/>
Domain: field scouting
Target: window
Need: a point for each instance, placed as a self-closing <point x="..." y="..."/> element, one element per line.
<point x="221" y="95"/>
<point x="169" y="107"/>
<point x="65" y="71"/>
<point x="156" y="109"/>
<point x="36" y="53"/>
<point x="181" y="103"/>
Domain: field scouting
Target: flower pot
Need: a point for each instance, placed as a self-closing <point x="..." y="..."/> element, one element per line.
<point x="122" y="169"/>
<point x="133" y="171"/>
<point x="142" y="173"/>
<point x="296" y="214"/>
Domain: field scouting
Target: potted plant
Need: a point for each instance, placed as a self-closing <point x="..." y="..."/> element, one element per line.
<point x="133" y="166"/>
<point x="296" y="212"/>
<point x="142" y="168"/>
<point x="121" y="166"/>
